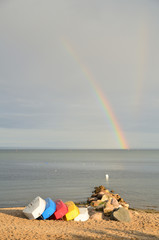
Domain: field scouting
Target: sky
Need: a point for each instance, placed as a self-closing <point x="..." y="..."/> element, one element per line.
<point x="79" y="74"/>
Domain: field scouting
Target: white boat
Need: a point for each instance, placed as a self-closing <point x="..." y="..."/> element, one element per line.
<point x="83" y="216"/>
<point x="35" y="208"/>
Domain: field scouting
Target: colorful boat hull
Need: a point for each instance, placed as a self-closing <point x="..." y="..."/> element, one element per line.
<point x="61" y="210"/>
<point x="83" y="216"/>
<point x="35" y="208"/>
<point x="73" y="211"/>
<point x="49" y="209"/>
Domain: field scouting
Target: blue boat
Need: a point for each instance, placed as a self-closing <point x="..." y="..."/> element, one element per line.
<point x="49" y="209"/>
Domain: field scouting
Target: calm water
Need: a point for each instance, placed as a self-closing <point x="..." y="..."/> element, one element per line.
<point x="72" y="175"/>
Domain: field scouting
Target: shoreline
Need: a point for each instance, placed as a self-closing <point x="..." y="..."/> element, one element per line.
<point x="14" y="225"/>
<point x="84" y="204"/>
<point x="146" y="210"/>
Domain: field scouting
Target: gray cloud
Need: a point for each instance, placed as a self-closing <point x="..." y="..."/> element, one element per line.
<point x="43" y="87"/>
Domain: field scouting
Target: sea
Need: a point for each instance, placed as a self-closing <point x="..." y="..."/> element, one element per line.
<point x="73" y="174"/>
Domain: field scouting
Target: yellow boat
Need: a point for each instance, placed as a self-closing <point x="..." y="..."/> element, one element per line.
<point x="73" y="211"/>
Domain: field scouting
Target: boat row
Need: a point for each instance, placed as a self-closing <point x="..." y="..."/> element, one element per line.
<point x="55" y="210"/>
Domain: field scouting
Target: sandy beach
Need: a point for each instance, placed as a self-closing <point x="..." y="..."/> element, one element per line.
<point x="14" y="225"/>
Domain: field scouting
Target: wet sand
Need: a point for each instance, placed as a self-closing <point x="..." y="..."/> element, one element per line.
<point x="14" y="225"/>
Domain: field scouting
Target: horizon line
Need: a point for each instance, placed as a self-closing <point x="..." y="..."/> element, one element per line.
<point x="39" y="148"/>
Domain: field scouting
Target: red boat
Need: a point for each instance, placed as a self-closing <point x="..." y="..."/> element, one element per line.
<point x="61" y="210"/>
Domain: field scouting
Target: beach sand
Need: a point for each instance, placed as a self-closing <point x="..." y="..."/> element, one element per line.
<point x="14" y="225"/>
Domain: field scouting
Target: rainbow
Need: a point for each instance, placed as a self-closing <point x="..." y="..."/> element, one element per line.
<point x="100" y="96"/>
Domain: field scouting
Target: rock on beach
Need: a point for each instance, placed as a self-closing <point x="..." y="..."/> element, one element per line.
<point x="121" y="214"/>
<point x="109" y="204"/>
